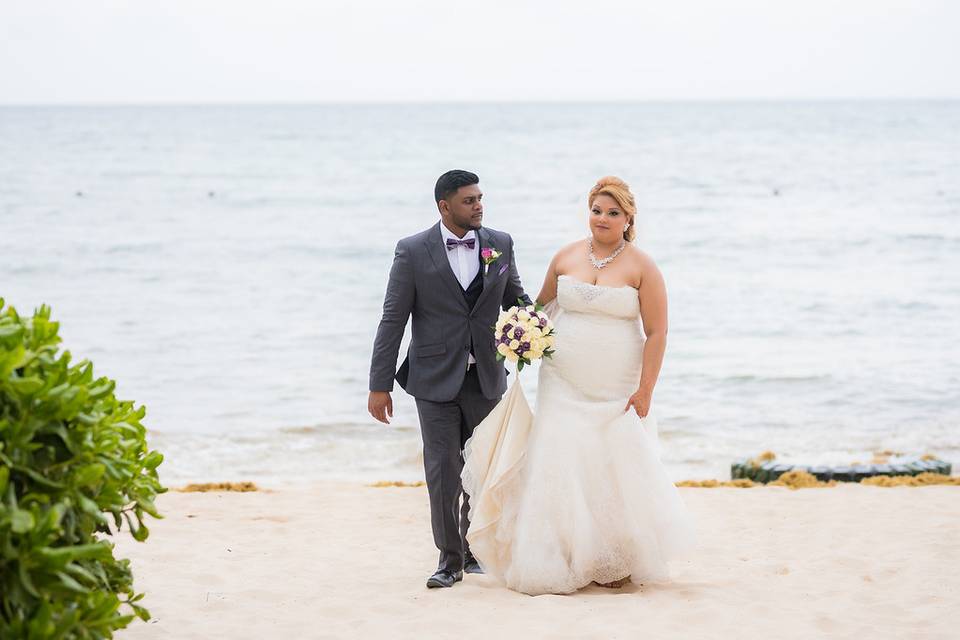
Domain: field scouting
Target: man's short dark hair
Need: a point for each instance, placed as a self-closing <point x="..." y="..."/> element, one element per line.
<point x="448" y="183"/>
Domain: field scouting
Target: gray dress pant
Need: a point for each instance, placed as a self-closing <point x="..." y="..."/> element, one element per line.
<point x="445" y="427"/>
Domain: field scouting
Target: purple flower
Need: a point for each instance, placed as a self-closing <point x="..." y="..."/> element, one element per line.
<point x="507" y="327"/>
<point x="543" y="322"/>
<point x="524" y="347"/>
<point x="518" y="333"/>
<point x="504" y="339"/>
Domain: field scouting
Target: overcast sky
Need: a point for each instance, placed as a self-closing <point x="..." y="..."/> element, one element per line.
<point x="56" y="51"/>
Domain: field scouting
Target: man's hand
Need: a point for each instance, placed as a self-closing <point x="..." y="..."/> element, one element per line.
<point x="380" y="405"/>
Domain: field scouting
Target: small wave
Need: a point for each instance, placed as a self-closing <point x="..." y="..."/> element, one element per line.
<point x="299" y="430"/>
<point x="926" y="237"/>
<point x="342" y="428"/>
<point x="907" y="305"/>
<point x="24" y="269"/>
<point x="134" y="247"/>
<point x="776" y="379"/>
<point x="325" y="428"/>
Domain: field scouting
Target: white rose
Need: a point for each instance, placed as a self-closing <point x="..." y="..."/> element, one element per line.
<point x="503" y="349"/>
<point x="522" y="315"/>
<point x="514" y="344"/>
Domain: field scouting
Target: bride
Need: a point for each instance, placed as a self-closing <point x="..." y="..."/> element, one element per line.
<point x="576" y="493"/>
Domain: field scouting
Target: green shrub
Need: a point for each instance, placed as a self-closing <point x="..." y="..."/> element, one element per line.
<point x="73" y="462"/>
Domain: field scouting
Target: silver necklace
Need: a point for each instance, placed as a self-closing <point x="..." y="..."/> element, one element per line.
<point x="600" y="264"/>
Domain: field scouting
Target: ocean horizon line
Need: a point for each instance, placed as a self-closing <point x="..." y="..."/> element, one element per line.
<point x="491" y="102"/>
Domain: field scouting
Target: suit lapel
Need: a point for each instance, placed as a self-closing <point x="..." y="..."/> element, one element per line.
<point x="437" y="252"/>
<point x="489" y="275"/>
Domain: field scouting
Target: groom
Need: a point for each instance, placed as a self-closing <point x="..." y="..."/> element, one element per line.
<point x="453" y="279"/>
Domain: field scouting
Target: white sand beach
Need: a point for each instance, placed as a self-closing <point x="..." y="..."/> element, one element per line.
<point x="335" y="560"/>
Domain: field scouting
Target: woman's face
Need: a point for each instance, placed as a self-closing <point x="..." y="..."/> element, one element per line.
<point x="607" y="220"/>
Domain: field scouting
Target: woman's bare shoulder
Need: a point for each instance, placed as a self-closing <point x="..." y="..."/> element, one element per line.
<point x="641" y="262"/>
<point x="568" y="250"/>
<point x="572" y="247"/>
<point x="640" y="257"/>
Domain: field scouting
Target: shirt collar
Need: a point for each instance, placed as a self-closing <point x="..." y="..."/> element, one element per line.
<point x="446" y="233"/>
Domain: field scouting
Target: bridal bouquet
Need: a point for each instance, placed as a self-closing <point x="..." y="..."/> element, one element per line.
<point x="524" y="334"/>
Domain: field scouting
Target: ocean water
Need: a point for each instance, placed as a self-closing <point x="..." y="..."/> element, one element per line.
<point x="226" y="264"/>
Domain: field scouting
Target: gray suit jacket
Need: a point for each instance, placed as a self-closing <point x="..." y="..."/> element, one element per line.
<point x="423" y="285"/>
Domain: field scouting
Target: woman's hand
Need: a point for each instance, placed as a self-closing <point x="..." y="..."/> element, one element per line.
<point x="640" y="401"/>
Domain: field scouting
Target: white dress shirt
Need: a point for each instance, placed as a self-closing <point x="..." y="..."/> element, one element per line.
<point x="464" y="262"/>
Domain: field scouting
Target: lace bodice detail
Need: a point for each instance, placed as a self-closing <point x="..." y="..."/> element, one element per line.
<point x="577" y="296"/>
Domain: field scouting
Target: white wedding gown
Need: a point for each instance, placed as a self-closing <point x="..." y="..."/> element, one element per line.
<point x="576" y="493"/>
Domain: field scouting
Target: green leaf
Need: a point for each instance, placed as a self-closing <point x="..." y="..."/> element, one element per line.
<point x="142" y="613"/>
<point x="53" y="518"/>
<point x="89" y="475"/>
<point x="147" y="505"/>
<point x="70" y="583"/>
<point x="26" y="581"/>
<point x="26" y="386"/>
<point x="93" y="551"/>
<point x="141" y="533"/>
<point x="4" y="477"/>
<point x="153" y="460"/>
<point x="39" y="477"/>
<point x="41" y="625"/>
<point x="126" y="426"/>
<point x="75" y="569"/>
<point x="21" y="521"/>
<point x="10" y="330"/>
<point x="104" y="609"/>
<point x="91" y="508"/>
<point x="102" y="389"/>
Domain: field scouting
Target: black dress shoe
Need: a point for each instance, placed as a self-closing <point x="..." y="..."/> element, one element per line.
<point x="472" y="566"/>
<point x="444" y="578"/>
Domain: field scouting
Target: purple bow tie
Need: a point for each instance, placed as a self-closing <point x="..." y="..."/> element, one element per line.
<point x="469" y="243"/>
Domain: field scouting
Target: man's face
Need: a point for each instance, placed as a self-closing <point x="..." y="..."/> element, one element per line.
<point x="464" y="208"/>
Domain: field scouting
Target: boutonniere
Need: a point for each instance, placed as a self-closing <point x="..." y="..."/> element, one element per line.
<point x="489" y="255"/>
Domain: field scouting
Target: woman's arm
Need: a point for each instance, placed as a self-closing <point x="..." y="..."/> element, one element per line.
<point x="653" y="308"/>
<point x="549" y="289"/>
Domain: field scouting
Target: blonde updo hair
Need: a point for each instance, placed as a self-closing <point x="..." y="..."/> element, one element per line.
<point x="620" y="191"/>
